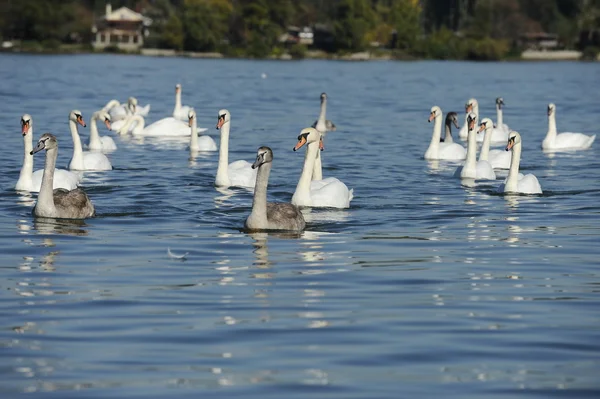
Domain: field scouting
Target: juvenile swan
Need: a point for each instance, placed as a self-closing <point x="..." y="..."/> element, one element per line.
<point x="517" y="182"/>
<point x="239" y="173"/>
<point x="451" y="118"/>
<point x="60" y="203"/>
<point x="32" y="181"/>
<point x="269" y="215"/>
<point x="84" y="160"/>
<point x="436" y="150"/>
<point x="497" y="158"/>
<point x="564" y="141"/>
<point x="97" y="142"/>
<point x="202" y="143"/>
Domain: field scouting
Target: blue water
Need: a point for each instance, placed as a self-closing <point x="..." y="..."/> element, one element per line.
<point x="422" y="288"/>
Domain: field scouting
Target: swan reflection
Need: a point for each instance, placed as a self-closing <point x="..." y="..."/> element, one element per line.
<point x="73" y="227"/>
<point x="25" y="198"/>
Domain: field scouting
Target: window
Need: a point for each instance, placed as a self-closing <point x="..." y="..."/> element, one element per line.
<point x="125" y="39"/>
<point x="135" y="38"/>
<point x="102" y="38"/>
<point x="114" y="38"/>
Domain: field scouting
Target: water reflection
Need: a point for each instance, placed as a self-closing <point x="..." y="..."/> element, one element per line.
<point x="73" y="227"/>
<point x="25" y="198"/>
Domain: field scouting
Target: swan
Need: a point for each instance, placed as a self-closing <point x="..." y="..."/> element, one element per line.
<point x="97" y="143"/>
<point x="563" y="141"/>
<point x="329" y="192"/>
<point x="32" y="181"/>
<point x="202" y="143"/>
<point x="437" y="150"/>
<point x="84" y="160"/>
<point x="471" y="106"/>
<point x="516" y="182"/>
<point x="118" y="111"/>
<point x="499" y="117"/>
<point x="473" y="169"/>
<point x="238" y="173"/>
<point x="451" y="118"/>
<point x="60" y="203"/>
<point x="497" y="158"/>
<point x="270" y="215"/>
<point x="166" y="127"/>
<point x="323" y="125"/>
<point x="180" y="112"/>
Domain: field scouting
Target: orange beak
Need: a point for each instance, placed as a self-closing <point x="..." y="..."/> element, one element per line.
<point x="80" y="121"/>
<point x="190" y="122"/>
<point x="300" y="143"/>
<point x="471" y="125"/>
<point x="25" y="128"/>
<point x="481" y="128"/>
<point x="220" y="122"/>
<point x="431" y="117"/>
<point x="321" y="146"/>
<point x="468" y="108"/>
<point x="107" y="123"/>
<point x="510" y="145"/>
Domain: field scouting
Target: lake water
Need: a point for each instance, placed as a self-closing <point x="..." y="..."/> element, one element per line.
<point x="422" y="288"/>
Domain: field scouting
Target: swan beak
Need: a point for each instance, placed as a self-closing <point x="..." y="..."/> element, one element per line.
<point x="456" y="124"/>
<point x="220" y="122"/>
<point x="510" y="145"/>
<point x="190" y="122"/>
<point x="431" y="117"/>
<point x="549" y="111"/>
<point x="468" y="108"/>
<point x="107" y="123"/>
<point x="80" y="121"/>
<point x="39" y="147"/>
<point x="25" y="128"/>
<point x="321" y="146"/>
<point x="481" y="128"/>
<point x="301" y="142"/>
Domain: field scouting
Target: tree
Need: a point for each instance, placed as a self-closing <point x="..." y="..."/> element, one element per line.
<point x="206" y="23"/>
<point x="353" y="19"/>
<point x="173" y="35"/>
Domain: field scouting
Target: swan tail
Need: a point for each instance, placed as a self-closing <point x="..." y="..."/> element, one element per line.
<point x="350" y="194"/>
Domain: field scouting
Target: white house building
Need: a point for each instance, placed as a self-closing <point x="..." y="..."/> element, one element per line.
<point x="122" y="28"/>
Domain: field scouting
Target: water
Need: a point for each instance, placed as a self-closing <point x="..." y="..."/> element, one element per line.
<point x="422" y="288"/>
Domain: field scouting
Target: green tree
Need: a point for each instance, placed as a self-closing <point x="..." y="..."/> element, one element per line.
<point x="353" y="19"/>
<point x="206" y="23"/>
<point x="173" y="35"/>
<point x="405" y="17"/>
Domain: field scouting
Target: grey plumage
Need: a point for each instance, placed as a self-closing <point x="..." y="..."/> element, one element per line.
<point x="451" y="118"/>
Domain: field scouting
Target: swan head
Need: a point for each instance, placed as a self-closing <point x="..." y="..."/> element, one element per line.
<point x="47" y="142"/>
<point x="551" y="108"/>
<point x="323" y="97"/>
<point x="177" y="88"/>
<point x="132" y="103"/>
<point x="106" y="117"/>
<point x="76" y="117"/>
<point x="499" y="102"/>
<point x="452" y="118"/>
<point x="307" y="136"/>
<point x="514" y="138"/>
<point x="471" y="118"/>
<point x="434" y="113"/>
<point x="25" y="124"/>
<point x="191" y="116"/>
<point x="470" y="105"/>
<point x="486" y="124"/>
<point x="264" y="155"/>
<point x="223" y="117"/>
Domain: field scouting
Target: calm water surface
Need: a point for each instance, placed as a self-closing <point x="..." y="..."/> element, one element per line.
<point x="422" y="288"/>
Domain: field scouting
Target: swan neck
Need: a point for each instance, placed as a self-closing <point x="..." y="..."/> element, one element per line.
<point x="127" y="125"/>
<point x="222" y="178"/>
<point x="434" y="145"/>
<point x="94" y="136"/>
<point x="303" y="187"/>
<point x="551" y="126"/>
<point x="485" y="147"/>
<point x="46" y="195"/>
<point x="194" y="136"/>
<point x="77" y="150"/>
<point x="177" y="101"/>
<point x="111" y="104"/>
<point x="259" y="203"/>
<point x="499" y="121"/>
<point x="513" y="173"/>
<point x="471" y="150"/>
<point x="317" y="168"/>
<point x="27" y="169"/>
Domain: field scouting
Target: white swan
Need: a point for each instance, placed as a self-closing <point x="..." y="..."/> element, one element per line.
<point x="563" y="141"/>
<point x="272" y="215"/>
<point x="118" y="111"/>
<point x="202" y="143"/>
<point x="500" y="117"/>
<point x="451" y="118"/>
<point x="166" y="127"/>
<point x="180" y="112"/>
<point x="323" y="125"/>
<point x="97" y="142"/>
<point x="59" y="203"/>
<point x="32" y="181"/>
<point x="497" y="158"/>
<point x="84" y="160"/>
<point x="238" y="173"/>
<point x="473" y="169"/>
<point x="517" y="182"/>
<point x="329" y="192"/>
<point x="437" y="150"/>
<point x="472" y="106"/>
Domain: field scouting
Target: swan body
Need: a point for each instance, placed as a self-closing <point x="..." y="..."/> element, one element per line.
<point x="32" y="181"/>
<point x="180" y="111"/>
<point x="329" y="192"/>
<point x="84" y="160"/>
<point x="270" y="216"/>
<point x="239" y="173"/>
<point x="516" y="182"/>
<point x="442" y="150"/>
<point x="497" y="158"/>
<point x="97" y="142"/>
<point x="323" y="125"/>
<point x="118" y="111"/>
<point x="58" y="203"/>
<point x="166" y="127"/>
<point x="563" y="141"/>
<point x="202" y="143"/>
<point x="473" y="169"/>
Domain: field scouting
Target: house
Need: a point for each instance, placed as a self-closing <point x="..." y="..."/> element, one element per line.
<point x="541" y="41"/>
<point x="123" y="28"/>
<point x="296" y="35"/>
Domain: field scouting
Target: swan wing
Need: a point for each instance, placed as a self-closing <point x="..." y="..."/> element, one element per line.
<point x="143" y="111"/>
<point x="241" y="174"/>
<point x="500" y="159"/>
<point x="529" y="184"/>
<point x="570" y="140"/>
<point x="333" y="194"/>
<point x="452" y="152"/>
<point x="73" y="204"/>
<point x="206" y="143"/>
<point x="182" y="113"/>
<point x="167" y="127"/>
<point x="108" y="144"/>
<point x="62" y="179"/>
<point x="284" y="216"/>
<point x="485" y="171"/>
<point x="96" y="161"/>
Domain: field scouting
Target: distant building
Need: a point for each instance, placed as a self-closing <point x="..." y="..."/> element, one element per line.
<point x="296" y="35"/>
<point x="123" y="28"/>
<point x="539" y="41"/>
